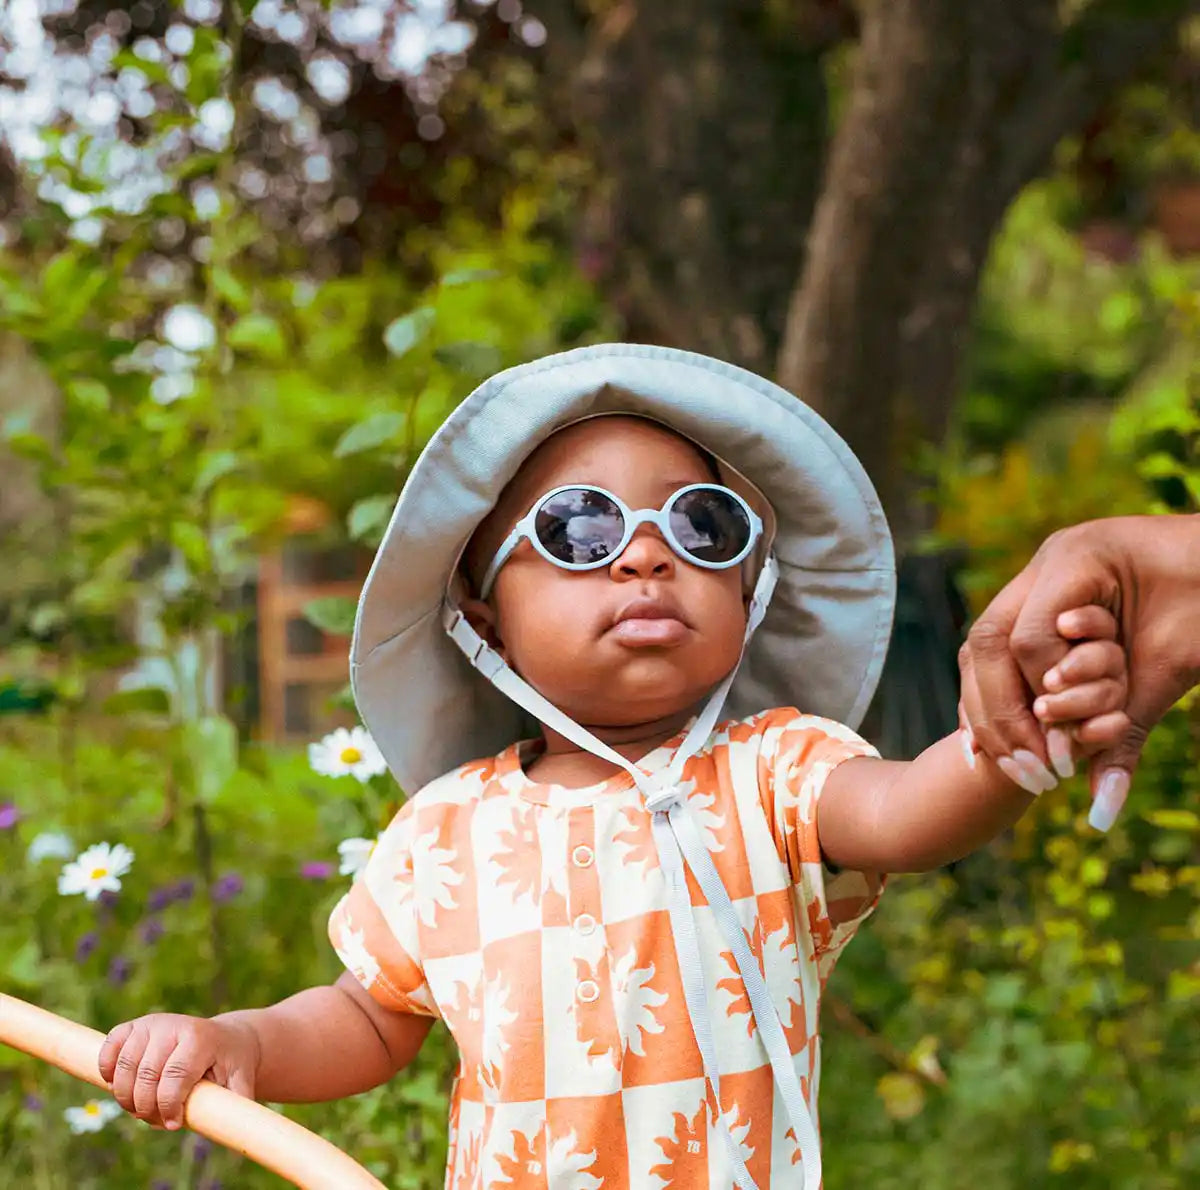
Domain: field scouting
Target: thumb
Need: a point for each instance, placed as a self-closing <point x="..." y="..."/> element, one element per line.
<point x="241" y="1081"/>
<point x="1111" y="775"/>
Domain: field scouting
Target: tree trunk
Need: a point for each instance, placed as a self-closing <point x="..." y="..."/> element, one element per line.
<point x="708" y="121"/>
<point x="954" y="108"/>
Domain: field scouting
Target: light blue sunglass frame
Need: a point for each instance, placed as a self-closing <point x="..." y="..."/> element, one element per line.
<point x="660" y="518"/>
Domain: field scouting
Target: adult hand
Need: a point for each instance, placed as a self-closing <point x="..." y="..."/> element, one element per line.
<point x="1146" y="572"/>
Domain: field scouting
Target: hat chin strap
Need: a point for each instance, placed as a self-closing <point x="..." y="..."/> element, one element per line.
<point x="676" y="836"/>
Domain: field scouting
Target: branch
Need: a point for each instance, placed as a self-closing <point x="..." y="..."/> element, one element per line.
<point x="845" y="1016"/>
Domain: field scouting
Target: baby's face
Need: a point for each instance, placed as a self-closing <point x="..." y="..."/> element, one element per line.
<point x="570" y="633"/>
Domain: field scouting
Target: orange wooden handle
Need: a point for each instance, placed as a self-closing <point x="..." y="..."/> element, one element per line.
<point x="249" y="1128"/>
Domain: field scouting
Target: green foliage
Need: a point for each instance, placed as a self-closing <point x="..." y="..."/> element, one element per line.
<point x="215" y="913"/>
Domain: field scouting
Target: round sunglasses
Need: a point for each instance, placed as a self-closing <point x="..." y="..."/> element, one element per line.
<point x="580" y="527"/>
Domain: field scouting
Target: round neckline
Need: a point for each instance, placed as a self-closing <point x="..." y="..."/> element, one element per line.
<point x="510" y="769"/>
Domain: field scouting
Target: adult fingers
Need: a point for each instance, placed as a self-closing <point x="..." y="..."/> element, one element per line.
<point x="999" y="710"/>
<point x="1069" y="577"/>
<point x="1112" y="773"/>
<point x="1022" y="766"/>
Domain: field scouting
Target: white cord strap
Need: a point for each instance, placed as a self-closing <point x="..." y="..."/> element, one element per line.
<point x="676" y="837"/>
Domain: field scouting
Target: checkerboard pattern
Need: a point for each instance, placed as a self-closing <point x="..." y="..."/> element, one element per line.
<point x="532" y="919"/>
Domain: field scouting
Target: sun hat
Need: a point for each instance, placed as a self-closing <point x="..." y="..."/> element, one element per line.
<point x="821" y="646"/>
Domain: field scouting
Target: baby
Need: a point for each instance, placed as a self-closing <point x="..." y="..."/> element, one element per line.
<point x="627" y="920"/>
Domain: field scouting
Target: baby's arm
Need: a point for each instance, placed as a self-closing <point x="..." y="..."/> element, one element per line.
<point x="913" y="816"/>
<point x="322" y="1043"/>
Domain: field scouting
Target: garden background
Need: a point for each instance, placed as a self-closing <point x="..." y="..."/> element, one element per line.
<point x="251" y="254"/>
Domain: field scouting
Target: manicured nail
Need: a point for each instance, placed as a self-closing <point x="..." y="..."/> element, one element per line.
<point x="967" y="738"/>
<point x="1036" y="769"/>
<point x="1018" y="776"/>
<point x="1058" y="744"/>
<point x="1110" y="797"/>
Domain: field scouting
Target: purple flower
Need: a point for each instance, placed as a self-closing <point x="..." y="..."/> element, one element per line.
<point x="151" y="930"/>
<point x="9" y="814"/>
<point x="32" y="1103"/>
<point x="159" y="899"/>
<point x="182" y="890"/>
<point x="227" y="887"/>
<point x="212" y="1184"/>
<point x="316" y="870"/>
<point x="200" y="1150"/>
<point x="119" y="971"/>
<point x="85" y="945"/>
<point x="161" y="1184"/>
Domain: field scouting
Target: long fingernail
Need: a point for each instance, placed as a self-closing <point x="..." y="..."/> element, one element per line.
<point x="967" y="738"/>
<point x="1058" y="744"/>
<point x="1036" y="769"/>
<point x="1018" y="776"/>
<point x="1110" y="797"/>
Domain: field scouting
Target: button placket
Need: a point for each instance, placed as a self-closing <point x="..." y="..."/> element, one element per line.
<point x="583" y="904"/>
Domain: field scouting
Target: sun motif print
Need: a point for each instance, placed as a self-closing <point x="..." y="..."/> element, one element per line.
<point x="533" y="921"/>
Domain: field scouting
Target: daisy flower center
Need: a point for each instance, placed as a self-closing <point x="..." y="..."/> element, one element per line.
<point x="99" y="873"/>
<point x="92" y="1109"/>
<point x="351" y="755"/>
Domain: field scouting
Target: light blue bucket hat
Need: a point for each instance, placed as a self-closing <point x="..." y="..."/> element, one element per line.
<point x="821" y="646"/>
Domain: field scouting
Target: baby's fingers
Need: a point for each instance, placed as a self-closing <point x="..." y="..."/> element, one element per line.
<point x="111" y="1048"/>
<point x="1087" y="663"/>
<point x="1087" y="623"/>
<point x="1104" y="731"/>
<point x="149" y="1074"/>
<point x="182" y="1071"/>
<point x="1081" y="702"/>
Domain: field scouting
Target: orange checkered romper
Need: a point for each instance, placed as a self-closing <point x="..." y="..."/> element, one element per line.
<point x="533" y="920"/>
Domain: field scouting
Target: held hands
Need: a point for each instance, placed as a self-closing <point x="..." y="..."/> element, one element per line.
<point x="1080" y="713"/>
<point x="153" y="1063"/>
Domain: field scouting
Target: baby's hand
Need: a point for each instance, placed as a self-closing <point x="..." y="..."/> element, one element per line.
<point x="1083" y="707"/>
<point x="152" y="1063"/>
<point x="1086" y="691"/>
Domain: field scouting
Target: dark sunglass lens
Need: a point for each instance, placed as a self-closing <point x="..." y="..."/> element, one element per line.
<point x="579" y="526"/>
<point x="710" y="524"/>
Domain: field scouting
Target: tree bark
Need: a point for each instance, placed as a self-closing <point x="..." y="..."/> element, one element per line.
<point x="954" y="108"/>
<point x="708" y="121"/>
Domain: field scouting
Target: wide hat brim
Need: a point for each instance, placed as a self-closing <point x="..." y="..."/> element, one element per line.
<point x="821" y="647"/>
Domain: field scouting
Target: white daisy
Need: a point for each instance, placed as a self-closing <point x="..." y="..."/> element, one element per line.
<point x="92" y="1116"/>
<point x="98" y="869"/>
<point x="355" y="853"/>
<point x="50" y="845"/>
<point x="343" y="753"/>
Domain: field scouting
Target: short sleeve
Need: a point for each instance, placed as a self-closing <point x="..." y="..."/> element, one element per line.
<point x="800" y="753"/>
<point x="373" y="928"/>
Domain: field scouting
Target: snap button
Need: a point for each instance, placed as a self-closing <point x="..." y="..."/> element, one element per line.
<point x="583" y="856"/>
<point x="585" y="923"/>
<point x="588" y="991"/>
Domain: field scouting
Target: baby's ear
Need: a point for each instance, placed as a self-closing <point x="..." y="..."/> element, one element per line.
<point x="482" y="617"/>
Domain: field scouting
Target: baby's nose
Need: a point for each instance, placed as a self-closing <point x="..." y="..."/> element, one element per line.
<point x="647" y="555"/>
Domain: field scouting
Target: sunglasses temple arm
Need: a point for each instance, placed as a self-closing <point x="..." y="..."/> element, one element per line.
<point x="502" y="554"/>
